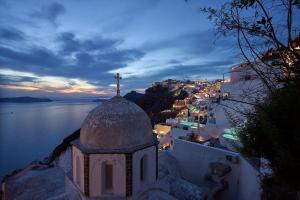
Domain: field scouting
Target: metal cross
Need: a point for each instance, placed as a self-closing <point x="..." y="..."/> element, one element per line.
<point x="118" y="77"/>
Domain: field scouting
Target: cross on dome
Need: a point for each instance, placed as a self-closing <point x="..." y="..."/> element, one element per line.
<point x="118" y="77"/>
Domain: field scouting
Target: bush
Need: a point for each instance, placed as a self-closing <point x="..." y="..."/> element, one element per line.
<point x="272" y="131"/>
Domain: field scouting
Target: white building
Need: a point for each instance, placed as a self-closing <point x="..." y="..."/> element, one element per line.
<point x="116" y="158"/>
<point x="116" y="155"/>
<point x="242" y="182"/>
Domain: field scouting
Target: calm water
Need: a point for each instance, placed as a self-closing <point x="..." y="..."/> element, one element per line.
<point x="30" y="132"/>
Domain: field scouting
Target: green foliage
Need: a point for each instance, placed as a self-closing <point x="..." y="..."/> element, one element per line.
<point x="272" y="131"/>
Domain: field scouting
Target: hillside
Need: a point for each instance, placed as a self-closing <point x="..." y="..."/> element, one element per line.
<point x="156" y="99"/>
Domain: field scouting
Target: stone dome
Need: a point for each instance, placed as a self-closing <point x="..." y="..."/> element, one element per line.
<point x="116" y="124"/>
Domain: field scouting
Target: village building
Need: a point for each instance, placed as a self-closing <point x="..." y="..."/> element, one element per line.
<point x="115" y="156"/>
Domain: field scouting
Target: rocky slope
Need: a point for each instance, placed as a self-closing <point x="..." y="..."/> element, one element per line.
<point x="156" y="99"/>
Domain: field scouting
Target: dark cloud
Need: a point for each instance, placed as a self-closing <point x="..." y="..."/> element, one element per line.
<point x="89" y="59"/>
<point x="200" y="43"/>
<point x="11" y="80"/>
<point x="50" y="12"/>
<point x="174" y="61"/>
<point x="92" y="58"/>
<point x="120" y="56"/>
<point x="70" y="55"/>
<point x="70" y="44"/>
<point x="37" y="58"/>
<point x="84" y="59"/>
<point x="9" y="33"/>
<point x="193" y="43"/>
<point x="212" y="67"/>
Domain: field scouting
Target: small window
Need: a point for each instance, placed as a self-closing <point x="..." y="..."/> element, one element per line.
<point x="143" y="165"/>
<point x="108" y="176"/>
<point x="247" y="77"/>
<point x="226" y="95"/>
<point x="78" y="171"/>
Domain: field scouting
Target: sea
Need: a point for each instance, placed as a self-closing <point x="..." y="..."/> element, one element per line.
<point x="30" y="131"/>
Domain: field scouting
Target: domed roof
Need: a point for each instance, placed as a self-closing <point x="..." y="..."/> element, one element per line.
<point x="116" y="124"/>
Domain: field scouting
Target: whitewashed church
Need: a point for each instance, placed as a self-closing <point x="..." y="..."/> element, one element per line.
<point x="116" y="155"/>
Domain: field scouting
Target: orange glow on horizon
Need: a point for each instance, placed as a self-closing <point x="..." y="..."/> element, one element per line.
<point x="53" y="90"/>
<point x="51" y="84"/>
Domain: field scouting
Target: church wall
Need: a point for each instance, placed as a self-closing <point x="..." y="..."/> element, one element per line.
<point x="96" y="177"/>
<point x="150" y="172"/>
<point x="77" y="154"/>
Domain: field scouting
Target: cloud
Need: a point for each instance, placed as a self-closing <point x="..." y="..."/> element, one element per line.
<point x="95" y="59"/>
<point x="69" y="43"/>
<point x="145" y="78"/>
<point x="97" y="49"/>
<point x="174" y="61"/>
<point x="191" y="55"/>
<point x="206" y="68"/>
<point x="90" y="59"/>
<point x="12" y="34"/>
<point x="84" y="59"/>
<point x="10" y="79"/>
<point x="16" y="80"/>
<point x="146" y="42"/>
<point x="49" y="13"/>
<point x="120" y="57"/>
<point x="201" y="43"/>
<point x="35" y="58"/>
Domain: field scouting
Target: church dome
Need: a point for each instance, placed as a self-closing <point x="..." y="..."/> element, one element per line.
<point x="116" y="124"/>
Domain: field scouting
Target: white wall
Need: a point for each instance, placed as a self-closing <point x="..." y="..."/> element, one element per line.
<point x="77" y="153"/>
<point x="137" y="185"/>
<point x="248" y="182"/>
<point x="119" y="174"/>
<point x="194" y="159"/>
<point x="238" y="72"/>
<point x="176" y="132"/>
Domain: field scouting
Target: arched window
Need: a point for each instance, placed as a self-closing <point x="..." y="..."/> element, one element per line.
<point x="107" y="177"/>
<point x="143" y="168"/>
<point x="78" y="170"/>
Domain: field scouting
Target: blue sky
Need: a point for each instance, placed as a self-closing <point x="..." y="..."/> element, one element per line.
<point x="74" y="47"/>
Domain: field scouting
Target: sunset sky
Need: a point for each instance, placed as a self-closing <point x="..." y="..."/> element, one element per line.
<point x="74" y="48"/>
